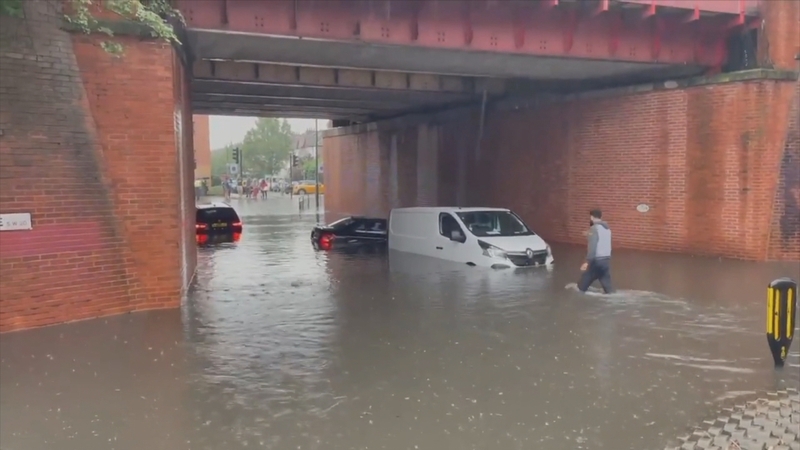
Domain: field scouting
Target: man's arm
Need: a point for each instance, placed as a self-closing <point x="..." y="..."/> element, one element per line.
<point x="592" y="247"/>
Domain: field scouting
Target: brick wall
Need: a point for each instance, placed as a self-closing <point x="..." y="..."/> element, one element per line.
<point x="184" y="148"/>
<point x="89" y="149"/>
<point x="779" y="46"/>
<point x="784" y="241"/>
<point x="202" y="147"/>
<point x="779" y="39"/>
<point x="704" y="159"/>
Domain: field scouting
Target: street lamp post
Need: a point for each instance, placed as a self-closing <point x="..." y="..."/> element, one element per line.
<point x="316" y="161"/>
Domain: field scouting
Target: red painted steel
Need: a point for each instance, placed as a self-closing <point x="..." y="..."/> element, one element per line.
<point x="600" y="8"/>
<point x="546" y="27"/>
<point x="714" y="6"/>
<point x="650" y="10"/>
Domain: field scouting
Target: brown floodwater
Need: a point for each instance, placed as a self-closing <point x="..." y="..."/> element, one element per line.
<point x="282" y="347"/>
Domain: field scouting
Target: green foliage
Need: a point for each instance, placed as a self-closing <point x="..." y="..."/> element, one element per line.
<point x="11" y="8"/>
<point x="220" y="159"/>
<point x="265" y="148"/>
<point x="310" y="168"/>
<point x="154" y="15"/>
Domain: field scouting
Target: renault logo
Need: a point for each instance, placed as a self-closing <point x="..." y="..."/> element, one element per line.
<point x="529" y="252"/>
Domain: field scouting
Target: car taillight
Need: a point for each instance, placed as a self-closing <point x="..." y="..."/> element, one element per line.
<point x="237" y="224"/>
<point x="200" y="226"/>
<point x="326" y="241"/>
<point x="237" y="237"/>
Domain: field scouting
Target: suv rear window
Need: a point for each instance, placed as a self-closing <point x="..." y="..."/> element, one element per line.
<point x="209" y="215"/>
<point x="341" y="223"/>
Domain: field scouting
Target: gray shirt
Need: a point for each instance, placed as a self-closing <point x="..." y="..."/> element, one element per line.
<point x="599" y="241"/>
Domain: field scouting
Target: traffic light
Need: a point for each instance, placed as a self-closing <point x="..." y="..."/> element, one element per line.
<point x="236" y="155"/>
<point x="295" y="161"/>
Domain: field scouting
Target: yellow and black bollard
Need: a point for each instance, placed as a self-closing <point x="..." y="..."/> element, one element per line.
<point x="781" y="311"/>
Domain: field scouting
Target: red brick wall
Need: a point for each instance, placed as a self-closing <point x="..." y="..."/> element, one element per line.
<point x="184" y="148"/>
<point x="89" y="149"/>
<point x="202" y="147"/>
<point x="779" y="46"/>
<point x="705" y="159"/>
<point x="779" y="38"/>
<point x="784" y="241"/>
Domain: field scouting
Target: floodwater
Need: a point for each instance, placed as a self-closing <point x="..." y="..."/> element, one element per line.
<point x="281" y="347"/>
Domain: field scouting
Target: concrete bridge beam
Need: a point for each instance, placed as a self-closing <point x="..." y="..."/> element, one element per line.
<point x="287" y="90"/>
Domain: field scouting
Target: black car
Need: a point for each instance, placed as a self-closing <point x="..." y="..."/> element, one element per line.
<point x="351" y="233"/>
<point x="217" y="221"/>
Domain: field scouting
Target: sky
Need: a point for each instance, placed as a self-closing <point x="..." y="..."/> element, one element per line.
<point x="226" y="130"/>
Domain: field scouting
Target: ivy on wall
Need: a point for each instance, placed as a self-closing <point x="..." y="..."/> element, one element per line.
<point x="156" y="16"/>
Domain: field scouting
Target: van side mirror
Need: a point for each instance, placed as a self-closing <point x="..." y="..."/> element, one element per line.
<point x="456" y="236"/>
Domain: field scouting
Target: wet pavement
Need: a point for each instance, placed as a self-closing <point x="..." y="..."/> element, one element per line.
<point x="771" y="423"/>
<point x="281" y="347"/>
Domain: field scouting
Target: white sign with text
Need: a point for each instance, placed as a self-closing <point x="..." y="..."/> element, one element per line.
<point x="15" y="221"/>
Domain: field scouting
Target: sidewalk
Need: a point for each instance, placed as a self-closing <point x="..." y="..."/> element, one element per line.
<point x="771" y="423"/>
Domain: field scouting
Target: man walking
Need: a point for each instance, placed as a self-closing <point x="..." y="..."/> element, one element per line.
<point x="598" y="255"/>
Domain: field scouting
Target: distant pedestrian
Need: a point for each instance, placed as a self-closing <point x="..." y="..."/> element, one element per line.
<point x="198" y="185"/>
<point x="229" y="186"/>
<point x="254" y="189"/>
<point x="598" y="255"/>
<point x="264" y="188"/>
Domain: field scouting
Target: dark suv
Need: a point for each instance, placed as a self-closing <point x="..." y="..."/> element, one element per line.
<point x="217" y="221"/>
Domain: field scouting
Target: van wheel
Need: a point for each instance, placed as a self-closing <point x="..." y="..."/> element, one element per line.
<point x="301" y="192"/>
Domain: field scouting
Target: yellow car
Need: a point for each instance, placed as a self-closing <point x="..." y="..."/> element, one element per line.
<point x="307" y="187"/>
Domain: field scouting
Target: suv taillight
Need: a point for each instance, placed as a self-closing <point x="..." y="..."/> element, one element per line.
<point x="326" y="241"/>
<point x="200" y="226"/>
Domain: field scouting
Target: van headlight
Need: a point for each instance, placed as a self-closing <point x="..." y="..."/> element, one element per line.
<point x="492" y="251"/>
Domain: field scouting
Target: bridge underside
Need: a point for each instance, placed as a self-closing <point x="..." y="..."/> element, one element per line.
<point x="363" y="61"/>
<point x="281" y="77"/>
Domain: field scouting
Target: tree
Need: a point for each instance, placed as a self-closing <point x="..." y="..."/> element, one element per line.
<point x="220" y="159"/>
<point x="157" y="16"/>
<point x="266" y="147"/>
<point x="309" y="168"/>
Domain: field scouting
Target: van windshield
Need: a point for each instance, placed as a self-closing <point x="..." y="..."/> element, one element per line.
<point x="494" y="223"/>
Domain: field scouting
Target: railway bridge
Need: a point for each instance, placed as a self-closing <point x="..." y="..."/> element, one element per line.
<point x="679" y="118"/>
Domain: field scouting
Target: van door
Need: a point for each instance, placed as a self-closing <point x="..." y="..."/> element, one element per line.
<point x="445" y="246"/>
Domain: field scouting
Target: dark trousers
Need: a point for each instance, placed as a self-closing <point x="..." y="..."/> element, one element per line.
<point x="599" y="269"/>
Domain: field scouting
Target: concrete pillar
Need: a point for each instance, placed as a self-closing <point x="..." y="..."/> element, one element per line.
<point x="427" y="165"/>
<point x="394" y="192"/>
<point x="463" y="154"/>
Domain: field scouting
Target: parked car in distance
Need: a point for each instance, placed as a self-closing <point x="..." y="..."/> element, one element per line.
<point x="366" y="233"/>
<point x="486" y="237"/>
<point x="217" y="222"/>
<point x="278" y="186"/>
<point x="307" y="187"/>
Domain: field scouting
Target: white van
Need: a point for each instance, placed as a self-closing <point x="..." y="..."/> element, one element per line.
<point x="486" y="237"/>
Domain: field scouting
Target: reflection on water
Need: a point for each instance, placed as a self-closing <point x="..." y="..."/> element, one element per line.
<point x="281" y="347"/>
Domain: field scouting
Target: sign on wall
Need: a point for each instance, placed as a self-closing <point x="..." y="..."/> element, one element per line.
<point x="15" y="221"/>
